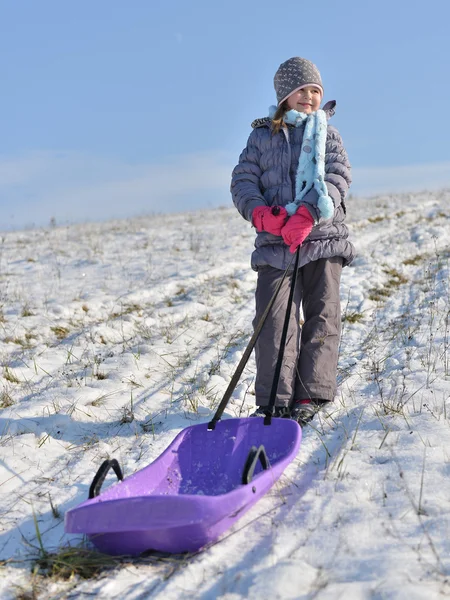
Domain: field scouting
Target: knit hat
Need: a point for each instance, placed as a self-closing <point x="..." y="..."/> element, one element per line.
<point x="294" y="74"/>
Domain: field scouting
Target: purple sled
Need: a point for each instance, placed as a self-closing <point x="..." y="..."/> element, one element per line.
<point x="193" y="491"/>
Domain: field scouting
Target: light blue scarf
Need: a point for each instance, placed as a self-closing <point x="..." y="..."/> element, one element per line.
<point x="311" y="164"/>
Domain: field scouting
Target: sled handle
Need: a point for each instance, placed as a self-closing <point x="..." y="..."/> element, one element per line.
<point x="254" y="455"/>
<point x="101" y="474"/>
<point x="247" y="352"/>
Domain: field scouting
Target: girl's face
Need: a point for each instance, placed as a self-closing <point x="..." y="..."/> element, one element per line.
<point x="306" y="100"/>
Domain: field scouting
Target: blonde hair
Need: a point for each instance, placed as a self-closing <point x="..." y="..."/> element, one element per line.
<point x="277" y="119"/>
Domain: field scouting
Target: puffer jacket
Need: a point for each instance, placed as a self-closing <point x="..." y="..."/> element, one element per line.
<point x="265" y="176"/>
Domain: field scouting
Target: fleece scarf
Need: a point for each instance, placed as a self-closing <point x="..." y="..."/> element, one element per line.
<point x="311" y="164"/>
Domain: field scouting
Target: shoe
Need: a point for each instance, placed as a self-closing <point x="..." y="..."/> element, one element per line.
<point x="282" y="412"/>
<point x="304" y="411"/>
<point x="259" y="412"/>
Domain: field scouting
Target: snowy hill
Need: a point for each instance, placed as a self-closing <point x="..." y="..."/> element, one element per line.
<point x="115" y="336"/>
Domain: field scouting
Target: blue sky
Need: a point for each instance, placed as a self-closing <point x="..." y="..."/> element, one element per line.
<point x="114" y="109"/>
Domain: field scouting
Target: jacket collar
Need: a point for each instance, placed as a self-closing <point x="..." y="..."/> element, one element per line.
<point x="329" y="110"/>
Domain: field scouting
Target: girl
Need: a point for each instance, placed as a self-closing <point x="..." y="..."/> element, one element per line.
<point x="291" y="183"/>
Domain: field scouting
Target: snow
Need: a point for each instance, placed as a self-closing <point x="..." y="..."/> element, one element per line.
<point x="115" y="336"/>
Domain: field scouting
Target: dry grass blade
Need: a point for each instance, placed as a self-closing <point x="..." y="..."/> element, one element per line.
<point x="75" y="561"/>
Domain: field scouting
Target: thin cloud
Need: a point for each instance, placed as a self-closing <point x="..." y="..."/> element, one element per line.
<point x="22" y="170"/>
<point x="70" y="187"/>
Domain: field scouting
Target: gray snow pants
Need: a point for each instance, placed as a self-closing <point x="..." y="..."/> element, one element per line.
<point x="311" y="354"/>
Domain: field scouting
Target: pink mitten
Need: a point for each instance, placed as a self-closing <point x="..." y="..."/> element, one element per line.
<point x="270" y="219"/>
<point x="297" y="228"/>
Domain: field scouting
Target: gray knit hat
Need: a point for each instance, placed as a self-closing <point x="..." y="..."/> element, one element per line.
<point x="293" y="74"/>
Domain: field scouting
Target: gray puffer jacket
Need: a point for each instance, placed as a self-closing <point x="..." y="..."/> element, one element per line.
<point x="265" y="176"/>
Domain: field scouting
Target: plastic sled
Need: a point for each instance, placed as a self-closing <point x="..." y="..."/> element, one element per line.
<point x="196" y="489"/>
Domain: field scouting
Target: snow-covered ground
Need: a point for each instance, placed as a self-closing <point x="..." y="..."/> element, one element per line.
<point x="115" y="336"/>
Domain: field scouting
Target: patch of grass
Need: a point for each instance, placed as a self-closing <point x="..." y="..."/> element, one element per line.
<point x="376" y="219"/>
<point x="395" y="277"/>
<point x="60" y="332"/>
<point x="10" y="376"/>
<point x="379" y="294"/>
<point x="31" y="593"/>
<point x="415" y="260"/>
<point x="353" y="317"/>
<point x="55" y="510"/>
<point x="100" y="401"/>
<point x="127" y="309"/>
<point x="26" y="312"/>
<point x="89" y="442"/>
<point x="74" y="562"/>
<point x="25" y="343"/>
<point x="127" y="415"/>
<point x="395" y="280"/>
<point x="5" y="399"/>
<point x="100" y="375"/>
<point x="214" y="367"/>
<point x="182" y="292"/>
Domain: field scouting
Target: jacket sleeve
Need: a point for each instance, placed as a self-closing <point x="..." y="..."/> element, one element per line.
<point x="245" y="188"/>
<point x="337" y="174"/>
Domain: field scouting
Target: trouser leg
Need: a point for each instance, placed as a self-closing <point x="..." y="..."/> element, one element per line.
<point x="319" y="343"/>
<point x="268" y="343"/>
